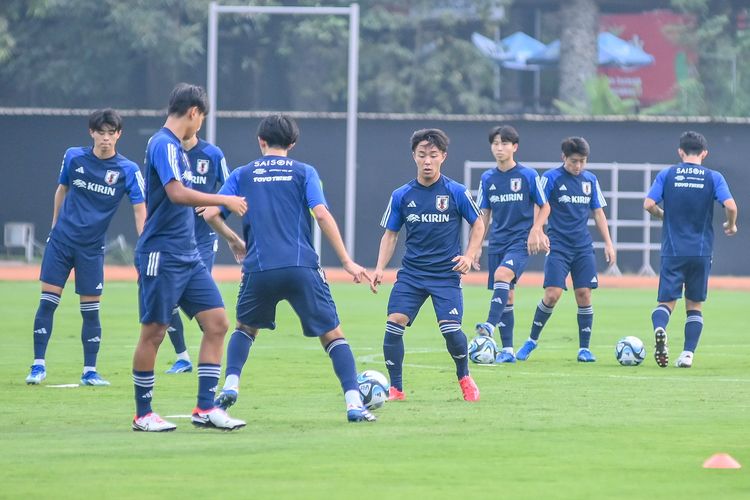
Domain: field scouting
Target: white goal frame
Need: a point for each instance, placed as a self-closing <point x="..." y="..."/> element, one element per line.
<point x="214" y="10"/>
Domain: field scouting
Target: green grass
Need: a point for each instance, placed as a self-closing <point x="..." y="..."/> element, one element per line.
<point x="547" y="428"/>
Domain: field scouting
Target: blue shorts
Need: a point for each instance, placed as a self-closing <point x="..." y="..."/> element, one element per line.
<point x="304" y="288"/>
<point x="692" y="272"/>
<point x="207" y="252"/>
<point x="408" y="295"/>
<point x="580" y="263"/>
<point x="60" y="258"/>
<point x="166" y="279"/>
<point x="514" y="259"/>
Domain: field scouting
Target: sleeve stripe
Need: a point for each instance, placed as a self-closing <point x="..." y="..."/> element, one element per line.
<point x="471" y="202"/>
<point x="387" y="213"/>
<point x="224" y="170"/>
<point x="540" y="189"/>
<point x="602" y="201"/>
<point x="172" y="153"/>
<point x="141" y="183"/>
<point x="480" y="195"/>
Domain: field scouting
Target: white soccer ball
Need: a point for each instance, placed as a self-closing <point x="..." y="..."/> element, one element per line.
<point x="483" y="350"/>
<point x="373" y="387"/>
<point x="630" y="351"/>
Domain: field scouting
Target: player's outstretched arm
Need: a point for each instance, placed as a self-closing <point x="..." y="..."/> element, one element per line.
<point x="730" y="210"/>
<point x="385" y="252"/>
<point x="476" y="235"/>
<point x="329" y="227"/>
<point x="651" y="207"/>
<point x="139" y="214"/>
<point x="212" y="217"/>
<point x="60" y="193"/>
<point x="538" y="240"/>
<point x="181" y="195"/>
<point x="600" y="219"/>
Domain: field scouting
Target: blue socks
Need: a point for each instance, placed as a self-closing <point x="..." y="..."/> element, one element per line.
<point x="343" y="363"/>
<point x="585" y="322"/>
<point x="455" y="341"/>
<point x="498" y="302"/>
<point x="507" y="322"/>
<point x="693" y="329"/>
<point x="91" y="332"/>
<point x="208" y="379"/>
<point x="542" y="314"/>
<point x="238" y="351"/>
<point x="48" y="302"/>
<point x="144" y="386"/>
<point x="393" y="353"/>
<point x="177" y="332"/>
<point x="660" y="316"/>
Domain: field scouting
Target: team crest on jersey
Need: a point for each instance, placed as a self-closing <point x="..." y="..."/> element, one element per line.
<point x="441" y="202"/>
<point x="515" y="184"/>
<point x="586" y="188"/>
<point x="111" y="177"/>
<point x="201" y="167"/>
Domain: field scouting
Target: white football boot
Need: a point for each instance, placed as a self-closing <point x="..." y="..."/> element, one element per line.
<point x="151" y="422"/>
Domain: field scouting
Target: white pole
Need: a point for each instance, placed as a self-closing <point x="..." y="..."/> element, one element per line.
<point x="213" y="44"/>
<point x="351" y="128"/>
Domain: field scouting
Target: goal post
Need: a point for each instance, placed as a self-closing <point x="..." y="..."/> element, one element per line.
<point x="352" y="11"/>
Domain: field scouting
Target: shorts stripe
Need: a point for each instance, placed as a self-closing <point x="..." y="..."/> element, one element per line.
<point x="153" y="264"/>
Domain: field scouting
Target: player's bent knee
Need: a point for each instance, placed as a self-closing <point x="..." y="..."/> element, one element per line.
<point x="334" y="334"/>
<point x="504" y="274"/>
<point x="398" y="318"/>
<point x="248" y="330"/>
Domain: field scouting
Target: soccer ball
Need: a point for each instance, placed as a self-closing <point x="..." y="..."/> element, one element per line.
<point x="483" y="350"/>
<point x="373" y="387"/>
<point x="630" y="351"/>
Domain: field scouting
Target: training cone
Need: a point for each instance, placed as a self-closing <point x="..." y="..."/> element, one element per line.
<point x="721" y="461"/>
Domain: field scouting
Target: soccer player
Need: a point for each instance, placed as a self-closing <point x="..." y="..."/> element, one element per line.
<point x="281" y="263"/>
<point x="513" y="195"/>
<point x="92" y="182"/>
<point x="209" y="172"/>
<point x="170" y="270"/>
<point x="572" y="192"/>
<point x="687" y="192"/>
<point x="432" y="207"/>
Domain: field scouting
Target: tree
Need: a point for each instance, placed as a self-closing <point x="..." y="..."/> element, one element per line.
<point x="578" y="50"/>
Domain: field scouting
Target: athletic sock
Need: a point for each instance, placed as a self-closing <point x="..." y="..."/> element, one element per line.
<point x="343" y="364"/>
<point x="176" y="332"/>
<point x="499" y="300"/>
<point x="91" y="332"/>
<point x="660" y="316"/>
<point x="507" y="322"/>
<point x="542" y="314"/>
<point x="48" y="302"/>
<point x="143" y="382"/>
<point x="585" y="322"/>
<point x="238" y="351"/>
<point x="693" y="329"/>
<point x="393" y="352"/>
<point x="208" y="379"/>
<point x="455" y="342"/>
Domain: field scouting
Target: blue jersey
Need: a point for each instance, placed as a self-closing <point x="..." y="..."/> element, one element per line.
<point x="95" y="188"/>
<point x="209" y="172"/>
<point x="277" y="226"/>
<point x="169" y="227"/>
<point x="432" y="215"/>
<point x="511" y="196"/>
<point x="688" y="192"/>
<point x="571" y="198"/>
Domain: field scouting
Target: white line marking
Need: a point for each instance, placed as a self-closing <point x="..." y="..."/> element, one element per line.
<point x="63" y="386"/>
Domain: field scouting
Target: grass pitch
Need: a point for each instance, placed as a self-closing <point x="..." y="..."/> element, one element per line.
<point x="546" y="428"/>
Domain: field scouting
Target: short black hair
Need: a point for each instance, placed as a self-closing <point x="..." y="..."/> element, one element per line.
<point x="575" y="145"/>
<point x="506" y="133"/>
<point x="184" y="96"/>
<point x="693" y="143"/>
<point x="278" y="130"/>
<point x="433" y="136"/>
<point x="101" y="117"/>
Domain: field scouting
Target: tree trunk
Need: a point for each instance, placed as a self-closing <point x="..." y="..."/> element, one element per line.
<point x="578" y="49"/>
